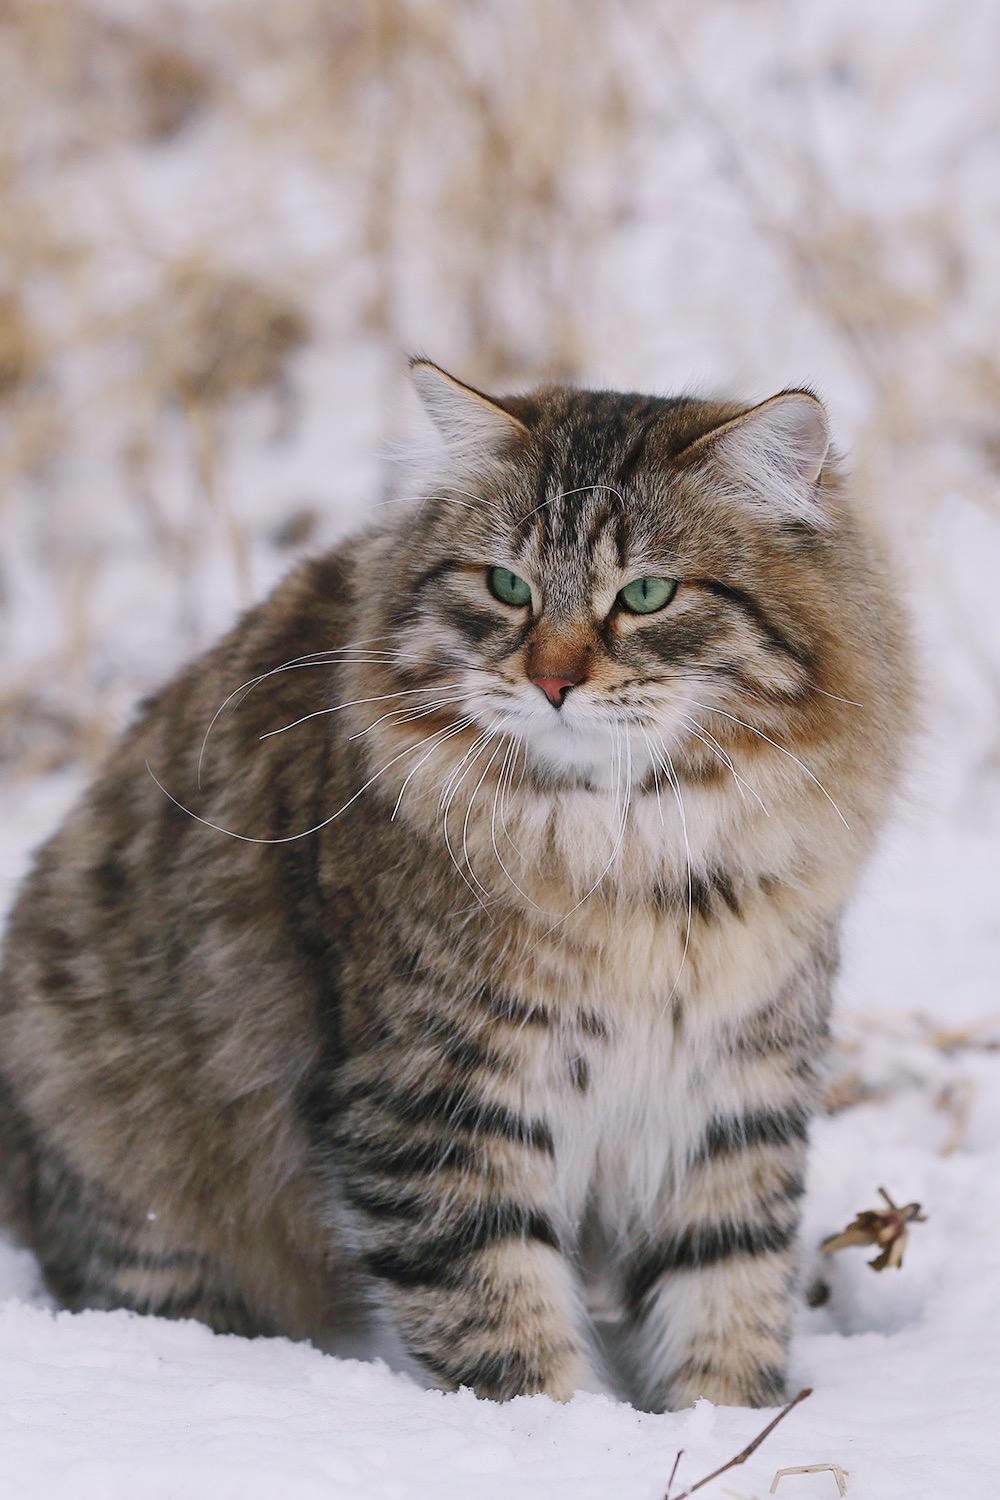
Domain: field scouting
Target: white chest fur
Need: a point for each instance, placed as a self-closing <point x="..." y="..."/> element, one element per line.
<point x="668" y="979"/>
<point x="620" y="1129"/>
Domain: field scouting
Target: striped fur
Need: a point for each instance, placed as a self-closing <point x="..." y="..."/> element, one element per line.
<point x="533" y="1018"/>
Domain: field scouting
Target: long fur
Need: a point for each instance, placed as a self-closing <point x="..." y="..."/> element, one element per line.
<point x="448" y="1004"/>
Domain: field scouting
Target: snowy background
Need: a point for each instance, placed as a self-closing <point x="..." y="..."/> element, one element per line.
<point x="222" y="222"/>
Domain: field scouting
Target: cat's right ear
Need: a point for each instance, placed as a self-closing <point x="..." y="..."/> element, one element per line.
<point x="471" y="423"/>
<point x="770" y="457"/>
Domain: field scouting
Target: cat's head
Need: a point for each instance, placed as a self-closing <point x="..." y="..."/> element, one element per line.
<point x="583" y="561"/>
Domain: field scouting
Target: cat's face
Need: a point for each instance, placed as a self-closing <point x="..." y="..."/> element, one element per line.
<point x="595" y="562"/>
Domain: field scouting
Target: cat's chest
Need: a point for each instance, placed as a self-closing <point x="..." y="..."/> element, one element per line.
<point x="697" y="906"/>
<point x="716" y="948"/>
<point x="618" y="1102"/>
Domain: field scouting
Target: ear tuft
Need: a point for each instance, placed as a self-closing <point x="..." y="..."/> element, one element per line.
<point x="469" y="421"/>
<point x="772" y="456"/>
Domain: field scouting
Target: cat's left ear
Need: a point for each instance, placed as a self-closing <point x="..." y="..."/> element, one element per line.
<point x="469" y="421"/>
<point x="770" y="457"/>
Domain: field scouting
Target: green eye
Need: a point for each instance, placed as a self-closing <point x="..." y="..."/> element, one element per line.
<point x="508" y="588"/>
<point x="643" y="596"/>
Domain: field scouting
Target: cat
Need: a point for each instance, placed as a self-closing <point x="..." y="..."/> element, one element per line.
<point x="455" y="939"/>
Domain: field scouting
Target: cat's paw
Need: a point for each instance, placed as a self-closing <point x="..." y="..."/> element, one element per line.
<point x="578" y="1376"/>
<point x="760" y="1387"/>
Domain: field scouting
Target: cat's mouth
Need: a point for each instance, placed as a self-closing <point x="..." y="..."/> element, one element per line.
<point x="582" y="737"/>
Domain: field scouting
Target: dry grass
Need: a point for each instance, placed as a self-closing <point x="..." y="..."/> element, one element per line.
<point x="171" y="87"/>
<point x="467" y="175"/>
<point x="211" y="336"/>
<point x="20" y="354"/>
<point x="103" y="77"/>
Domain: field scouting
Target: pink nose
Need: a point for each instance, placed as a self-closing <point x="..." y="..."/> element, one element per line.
<point x="556" y="688"/>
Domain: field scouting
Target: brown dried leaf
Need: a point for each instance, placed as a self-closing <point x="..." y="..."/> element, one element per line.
<point x="886" y="1227"/>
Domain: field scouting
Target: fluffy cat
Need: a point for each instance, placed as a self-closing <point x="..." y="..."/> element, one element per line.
<point x="477" y="965"/>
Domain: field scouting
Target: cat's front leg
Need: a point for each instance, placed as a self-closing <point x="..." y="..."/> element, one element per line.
<point x="711" y="1292"/>
<point x="449" y="1197"/>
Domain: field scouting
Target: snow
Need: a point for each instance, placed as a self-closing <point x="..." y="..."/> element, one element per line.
<point x="109" y="1404"/>
<point x="856" y="142"/>
<point x="903" y="1364"/>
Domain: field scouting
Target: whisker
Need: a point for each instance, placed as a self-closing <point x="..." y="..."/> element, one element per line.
<point x="328" y="656"/>
<point x="522" y="752"/>
<point x="447" y="497"/>
<point x="748" y="692"/>
<point x="290" y="838"/>
<point x="318" y="713"/>
<point x="477" y="743"/>
<point x="742" y="786"/>
<point x="450" y="791"/>
<point x="308" y="660"/>
<point x="508" y="760"/>
<point x="836" y="696"/>
<point x="620" y="730"/>
<point x="656" y="773"/>
<point x="468" y="815"/>
<point x="579" y="490"/>
<point x="455" y="729"/>
<point x="760" y="733"/>
<point x="676" y="788"/>
<point x="406" y="715"/>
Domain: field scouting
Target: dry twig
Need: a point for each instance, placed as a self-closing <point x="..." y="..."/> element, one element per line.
<point x="849" y="1090"/>
<point x="744" y="1453"/>
<point x="956" y="1100"/>
<point x="980" y="1036"/>
<point x="839" y="1474"/>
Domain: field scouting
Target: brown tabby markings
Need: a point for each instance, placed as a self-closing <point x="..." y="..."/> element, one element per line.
<point x="463" y="1066"/>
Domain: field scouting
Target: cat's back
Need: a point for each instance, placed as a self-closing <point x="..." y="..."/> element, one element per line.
<point x="195" y="744"/>
<point x="157" y="970"/>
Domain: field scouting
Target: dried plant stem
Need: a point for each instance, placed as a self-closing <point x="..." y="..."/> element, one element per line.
<point x="673" y="1472"/>
<point x="744" y="1453"/>
<point x="839" y="1475"/>
<point x="202" y="428"/>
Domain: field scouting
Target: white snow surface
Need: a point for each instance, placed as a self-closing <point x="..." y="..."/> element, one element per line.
<point x="110" y="1406"/>
<point x="694" y="287"/>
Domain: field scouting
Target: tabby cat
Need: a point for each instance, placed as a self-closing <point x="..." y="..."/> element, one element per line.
<point x="455" y="939"/>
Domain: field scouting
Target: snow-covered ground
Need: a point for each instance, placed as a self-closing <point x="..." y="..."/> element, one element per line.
<point x="745" y="197"/>
<point x="904" y="1364"/>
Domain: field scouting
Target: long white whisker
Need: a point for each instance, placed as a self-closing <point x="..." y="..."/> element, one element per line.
<point x="668" y="766"/>
<point x="310" y="659"/>
<point x="524" y="765"/>
<point x="522" y="752"/>
<point x="327" y="657"/>
<point x="477" y="744"/>
<point x="852" y="701"/>
<point x="626" y="803"/>
<point x="656" y="773"/>
<point x="711" y="743"/>
<point x="450" y="791"/>
<point x="455" y="729"/>
<point x="468" y="815"/>
<point x="508" y="760"/>
<point x="447" y="497"/>
<point x="781" y="748"/>
<point x="291" y="837"/>
<point x="406" y="715"/>
<point x="579" y="490"/>
<point x="318" y="713"/>
<point x="716" y="750"/>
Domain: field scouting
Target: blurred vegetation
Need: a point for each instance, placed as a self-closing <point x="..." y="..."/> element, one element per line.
<point x="222" y="224"/>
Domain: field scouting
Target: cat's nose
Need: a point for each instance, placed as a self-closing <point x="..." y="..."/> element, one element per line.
<point x="556" y="688"/>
